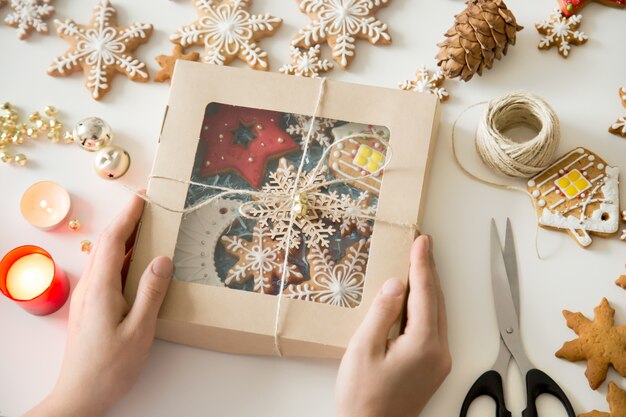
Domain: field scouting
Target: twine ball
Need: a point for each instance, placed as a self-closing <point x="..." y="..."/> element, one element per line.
<point x="503" y="154"/>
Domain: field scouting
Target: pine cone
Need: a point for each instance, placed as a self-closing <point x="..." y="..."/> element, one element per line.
<point x="481" y="33"/>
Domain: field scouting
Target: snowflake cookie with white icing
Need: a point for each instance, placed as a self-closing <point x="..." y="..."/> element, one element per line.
<point x="29" y="16"/>
<point x="425" y="82"/>
<point x="339" y="283"/>
<point x="260" y="260"/>
<point x="101" y="49"/>
<point x="619" y="127"/>
<point x="319" y="132"/>
<point x="339" y="23"/>
<point x="227" y="30"/>
<point x="578" y="194"/>
<point x="306" y="63"/>
<point x="562" y="32"/>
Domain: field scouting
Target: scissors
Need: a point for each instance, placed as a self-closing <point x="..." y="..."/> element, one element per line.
<point x="505" y="285"/>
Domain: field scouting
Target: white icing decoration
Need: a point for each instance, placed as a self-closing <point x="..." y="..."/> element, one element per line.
<point x="319" y="133"/>
<point x="542" y="203"/>
<point x="339" y="23"/>
<point x="600" y="166"/>
<point x="531" y="183"/>
<point x="306" y="63"/>
<point x="592" y="158"/>
<point x="536" y="193"/>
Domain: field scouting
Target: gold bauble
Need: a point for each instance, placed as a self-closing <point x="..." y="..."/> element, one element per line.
<point x="111" y="162"/>
<point x="20" y="159"/>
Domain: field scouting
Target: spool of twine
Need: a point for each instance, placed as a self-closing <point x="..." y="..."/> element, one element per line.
<point x="507" y="156"/>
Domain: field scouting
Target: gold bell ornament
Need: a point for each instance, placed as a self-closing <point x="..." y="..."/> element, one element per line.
<point x="92" y="134"/>
<point x="111" y="162"/>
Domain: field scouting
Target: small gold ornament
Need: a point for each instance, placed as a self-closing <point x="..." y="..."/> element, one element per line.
<point x="111" y="162"/>
<point x="92" y="134"/>
<point x="300" y="205"/>
<point x="6" y="156"/>
<point x="85" y="246"/>
<point x="20" y="159"/>
<point x="74" y="225"/>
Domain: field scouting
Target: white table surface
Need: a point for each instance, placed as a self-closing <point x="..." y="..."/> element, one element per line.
<point x="184" y="381"/>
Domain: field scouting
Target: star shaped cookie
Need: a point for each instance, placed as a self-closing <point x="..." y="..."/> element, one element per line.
<point x="599" y="342"/>
<point x="562" y="32"/>
<point x="616" y="398"/>
<point x="260" y="260"/>
<point x="306" y="63"/>
<point x="425" y="82"/>
<point x="339" y="23"/>
<point x="227" y="31"/>
<point x="101" y="49"/>
<point x="29" y="16"/>
<point x="167" y="62"/>
<point x="248" y="154"/>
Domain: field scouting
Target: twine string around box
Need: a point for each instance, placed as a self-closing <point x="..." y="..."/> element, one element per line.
<point x="501" y="153"/>
<point x="308" y="188"/>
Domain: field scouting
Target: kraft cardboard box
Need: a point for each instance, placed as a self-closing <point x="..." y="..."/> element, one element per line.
<point x="232" y="211"/>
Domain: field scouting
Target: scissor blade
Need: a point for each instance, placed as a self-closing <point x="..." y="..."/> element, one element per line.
<point x="510" y="262"/>
<point x="508" y="322"/>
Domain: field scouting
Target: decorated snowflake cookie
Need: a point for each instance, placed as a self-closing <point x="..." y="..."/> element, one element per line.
<point x="357" y="214"/>
<point x="336" y="283"/>
<point x="562" y="32"/>
<point x="340" y="23"/>
<point x="306" y="63"/>
<point x="579" y="194"/>
<point x="101" y="49"/>
<point x="227" y="31"/>
<point x="619" y="127"/>
<point x="319" y="130"/>
<point x="29" y="16"/>
<point x="425" y="82"/>
<point x="260" y="260"/>
<point x="168" y="62"/>
<point x="200" y="230"/>
<point x="315" y="210"/>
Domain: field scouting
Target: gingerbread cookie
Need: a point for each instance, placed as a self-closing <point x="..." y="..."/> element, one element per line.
<point x="358" y="215"/>
<point x="356" y="157"/>
<point x="562" y="32"/>
<point x="29" y="16"/>
<point x="101" y="49"/>
<point x="619" y="127"/>
<point x="167" y="62"/>
<point x="306" y="63"/>
<point x="425" y="82"/>
<point x="336" y="283"/>
<point x="340" y="24"/>
<point x="621" y="282"/>
<point x="227" y="31"/>
<point x="569" y="7"/>
<point x="616" y="398"/>
<point x="243" y="140"/>
<point x="579" y="194"/>
<point x="599" y="342"/>
<point x="198" y="235"/>
<point x="260" y="260"/>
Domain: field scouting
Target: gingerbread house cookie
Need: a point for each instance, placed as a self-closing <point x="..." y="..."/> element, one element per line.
<point x="579" y="194"/>
<point x="359" y="156"/>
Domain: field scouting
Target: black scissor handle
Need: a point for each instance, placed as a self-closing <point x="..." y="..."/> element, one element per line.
<point x="537" y="383"/>
<point x="489" y="384"/>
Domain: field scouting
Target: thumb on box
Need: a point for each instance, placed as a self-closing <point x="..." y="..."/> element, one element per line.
<point x="152" y="288"/>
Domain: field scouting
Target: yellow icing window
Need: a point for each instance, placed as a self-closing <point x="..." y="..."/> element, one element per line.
<point x="573" y="184"/>
<point x="368" y="158"/>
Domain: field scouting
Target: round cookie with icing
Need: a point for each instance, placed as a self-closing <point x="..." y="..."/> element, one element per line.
<point x="200" y="230"/>
<point x="358" y="157"/>
<point x="579" y="194"/>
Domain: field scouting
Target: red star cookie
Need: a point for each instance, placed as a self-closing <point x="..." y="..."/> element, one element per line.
<point x="571" y="7"/>
<point x="227" y="151"/>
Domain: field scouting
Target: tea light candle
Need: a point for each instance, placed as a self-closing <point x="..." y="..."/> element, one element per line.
<point x="45" y="204"/>
<point x="30" y="278"/>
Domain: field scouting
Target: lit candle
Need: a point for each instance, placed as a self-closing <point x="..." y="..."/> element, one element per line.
<point x="29" y="277"/>
<point x="45" y="204"/>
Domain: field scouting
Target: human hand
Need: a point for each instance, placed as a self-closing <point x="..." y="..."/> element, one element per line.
<point x="108" y="343"/>
<point x="381" y="378"/>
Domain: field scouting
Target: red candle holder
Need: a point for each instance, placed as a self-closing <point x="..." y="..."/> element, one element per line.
<point x="30" y="278"/>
